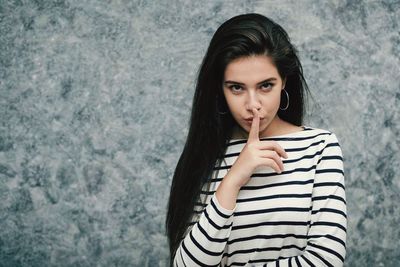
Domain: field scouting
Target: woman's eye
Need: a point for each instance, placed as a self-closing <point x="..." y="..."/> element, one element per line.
<point x="267" y="86"/>
<point x="235" y="88"/>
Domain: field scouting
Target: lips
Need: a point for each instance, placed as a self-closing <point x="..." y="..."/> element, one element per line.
<point x="250" y="121"/>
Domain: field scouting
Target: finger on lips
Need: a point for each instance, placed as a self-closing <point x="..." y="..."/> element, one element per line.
<point x="255" y="126"/>
<point x="277" y="150"/>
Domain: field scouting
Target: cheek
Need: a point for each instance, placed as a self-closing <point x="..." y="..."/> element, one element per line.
<point x="233" y="103"/>
<point x="272" y="102"/>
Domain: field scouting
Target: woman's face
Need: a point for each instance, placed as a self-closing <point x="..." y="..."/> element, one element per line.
<point x="253" y="82"/>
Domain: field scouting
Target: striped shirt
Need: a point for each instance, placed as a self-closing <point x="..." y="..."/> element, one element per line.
<point x="296" y="218"/>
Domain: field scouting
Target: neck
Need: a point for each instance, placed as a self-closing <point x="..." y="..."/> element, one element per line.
<point x="276" y="127"/>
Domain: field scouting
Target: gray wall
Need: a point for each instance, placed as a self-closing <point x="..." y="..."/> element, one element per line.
<point x="95" y="98"/>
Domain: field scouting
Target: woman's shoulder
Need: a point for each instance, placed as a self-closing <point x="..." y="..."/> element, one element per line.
<point x="326" y="139"/>
<point x="316" y="129"/>
<point x="327" y="133"/>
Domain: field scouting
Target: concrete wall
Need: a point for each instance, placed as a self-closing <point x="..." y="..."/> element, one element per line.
<point x="95" y="98"/>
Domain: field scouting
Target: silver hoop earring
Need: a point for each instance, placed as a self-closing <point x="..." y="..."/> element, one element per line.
<point x="287" y="104"/>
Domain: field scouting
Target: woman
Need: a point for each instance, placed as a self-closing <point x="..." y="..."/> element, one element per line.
<point x="253" y="186"/>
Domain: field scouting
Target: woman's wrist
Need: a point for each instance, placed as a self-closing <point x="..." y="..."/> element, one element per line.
<point x="227" y="193"/>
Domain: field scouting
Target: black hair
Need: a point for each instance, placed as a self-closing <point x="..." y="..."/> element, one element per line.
<point x="209" y="131"/>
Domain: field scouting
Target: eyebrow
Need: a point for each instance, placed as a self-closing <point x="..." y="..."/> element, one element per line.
<point x="266" y="80"/>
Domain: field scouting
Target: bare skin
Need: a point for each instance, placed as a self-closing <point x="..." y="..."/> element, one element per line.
<point x="254" y="154"/>
<point x="284" y="128"/>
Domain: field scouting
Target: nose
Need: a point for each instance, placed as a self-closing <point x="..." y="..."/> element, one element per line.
<point x="253" y="101"/>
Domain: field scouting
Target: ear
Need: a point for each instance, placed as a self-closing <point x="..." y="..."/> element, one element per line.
<point x="283" y="83"/>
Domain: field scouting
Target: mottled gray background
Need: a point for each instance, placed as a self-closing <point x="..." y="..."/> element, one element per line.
<point x="95" y="101"/>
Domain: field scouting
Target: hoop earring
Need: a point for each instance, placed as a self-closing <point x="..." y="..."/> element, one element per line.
<point x="287" y="104"/>
<point x="221" y="113"/>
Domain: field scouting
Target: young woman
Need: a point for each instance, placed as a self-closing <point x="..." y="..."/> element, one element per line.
<point x="254" y="186"/>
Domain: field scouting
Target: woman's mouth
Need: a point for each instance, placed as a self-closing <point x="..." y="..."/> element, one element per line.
<point x="250" y="121"/>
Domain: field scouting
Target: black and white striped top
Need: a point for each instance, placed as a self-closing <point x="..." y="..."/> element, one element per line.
<point x="296" y="218"/>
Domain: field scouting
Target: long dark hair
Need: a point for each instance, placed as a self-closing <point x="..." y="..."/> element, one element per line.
<point x="209" y="131"/>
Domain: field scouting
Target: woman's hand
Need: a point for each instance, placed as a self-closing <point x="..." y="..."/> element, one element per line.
<point x="254" y="154"/>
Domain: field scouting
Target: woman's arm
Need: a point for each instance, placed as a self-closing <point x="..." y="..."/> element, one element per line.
<point x="205" y="242"/>
<point x="326" y="241"/>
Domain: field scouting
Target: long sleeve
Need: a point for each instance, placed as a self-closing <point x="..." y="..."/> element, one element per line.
<point x="204" y="244"/>
<point x="326" y="239"/>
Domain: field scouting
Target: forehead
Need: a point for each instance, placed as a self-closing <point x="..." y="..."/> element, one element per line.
<point x="250" y="68"/>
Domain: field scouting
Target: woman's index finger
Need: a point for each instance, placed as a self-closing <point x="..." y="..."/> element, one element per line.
<point x="255" y="126"/>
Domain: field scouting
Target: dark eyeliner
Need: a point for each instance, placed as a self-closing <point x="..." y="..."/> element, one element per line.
<point x="266" y="85"/>
<point x="231" y="87"/>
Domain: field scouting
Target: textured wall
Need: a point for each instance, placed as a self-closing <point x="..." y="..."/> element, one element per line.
<point x="94" y="105"/>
